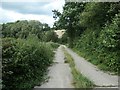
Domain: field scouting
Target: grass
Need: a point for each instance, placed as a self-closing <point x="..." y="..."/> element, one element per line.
<point x="79" y="81"/>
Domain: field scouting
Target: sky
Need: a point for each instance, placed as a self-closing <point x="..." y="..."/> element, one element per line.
<point x="13" y="10"/>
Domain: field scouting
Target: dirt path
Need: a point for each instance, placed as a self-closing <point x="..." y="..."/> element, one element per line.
<point x="92" y="72"/>
<point x="60" y="73"/>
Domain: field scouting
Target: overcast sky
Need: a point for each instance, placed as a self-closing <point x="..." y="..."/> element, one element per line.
<point x="13" y="10"/>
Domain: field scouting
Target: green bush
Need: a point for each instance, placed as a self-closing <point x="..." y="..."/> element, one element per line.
<point x="102" y="49"/>
<point x="24" y="62"/>
<point x="53" y="45"/>
<point x="110" y="35"/>
<point x="50" y="36"/>
<point x="106" y="58"/>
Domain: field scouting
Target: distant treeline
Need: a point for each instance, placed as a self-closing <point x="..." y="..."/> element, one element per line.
<point x="22" y="29"/>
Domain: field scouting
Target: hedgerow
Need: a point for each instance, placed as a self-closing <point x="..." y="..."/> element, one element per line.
<point x="102" y="49"/>
<point x="24" y="62"/>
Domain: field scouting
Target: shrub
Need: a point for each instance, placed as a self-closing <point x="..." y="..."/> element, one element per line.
<point x="103" y="50"/>
<point x="107" y="59"/>
<point x="24" y="62"/>
<point x="53" y="45"/>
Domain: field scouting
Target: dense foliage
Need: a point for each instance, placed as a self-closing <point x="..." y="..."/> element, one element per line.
<point x="95" y="31"/>
<point x="69" y="19"/>
<point x="50" y="36"/>
<point x="26" y="53"/>
<point x="22" y="29"/>
<point x="24" y="62"/>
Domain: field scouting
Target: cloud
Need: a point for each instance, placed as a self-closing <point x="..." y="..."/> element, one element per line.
<point x="33" y="7"/>
<point x="55" y="5"/>
<point x="32" y="10"/>
<point x="26" y="7"/>
<point x="28" y="0"/>
<point x="11" y="16"/>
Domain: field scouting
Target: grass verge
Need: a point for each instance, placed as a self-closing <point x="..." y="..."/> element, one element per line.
<point x="79" y="81"/>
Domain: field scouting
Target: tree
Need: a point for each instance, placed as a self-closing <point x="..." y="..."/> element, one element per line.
<point x="22" y="29"/>
<point x="46" y="27"/>
<point x="68" y="19"/>
<point x="50" y="36"/>
<point x="95" y="15"/>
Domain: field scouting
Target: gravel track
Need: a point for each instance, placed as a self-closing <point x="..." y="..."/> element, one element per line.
<point x="60" y="73"/>
<point x="90" y="71"/>
<point x="61" y="77"/>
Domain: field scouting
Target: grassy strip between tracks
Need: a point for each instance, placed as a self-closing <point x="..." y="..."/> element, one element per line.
<point x="79" y="81"/>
